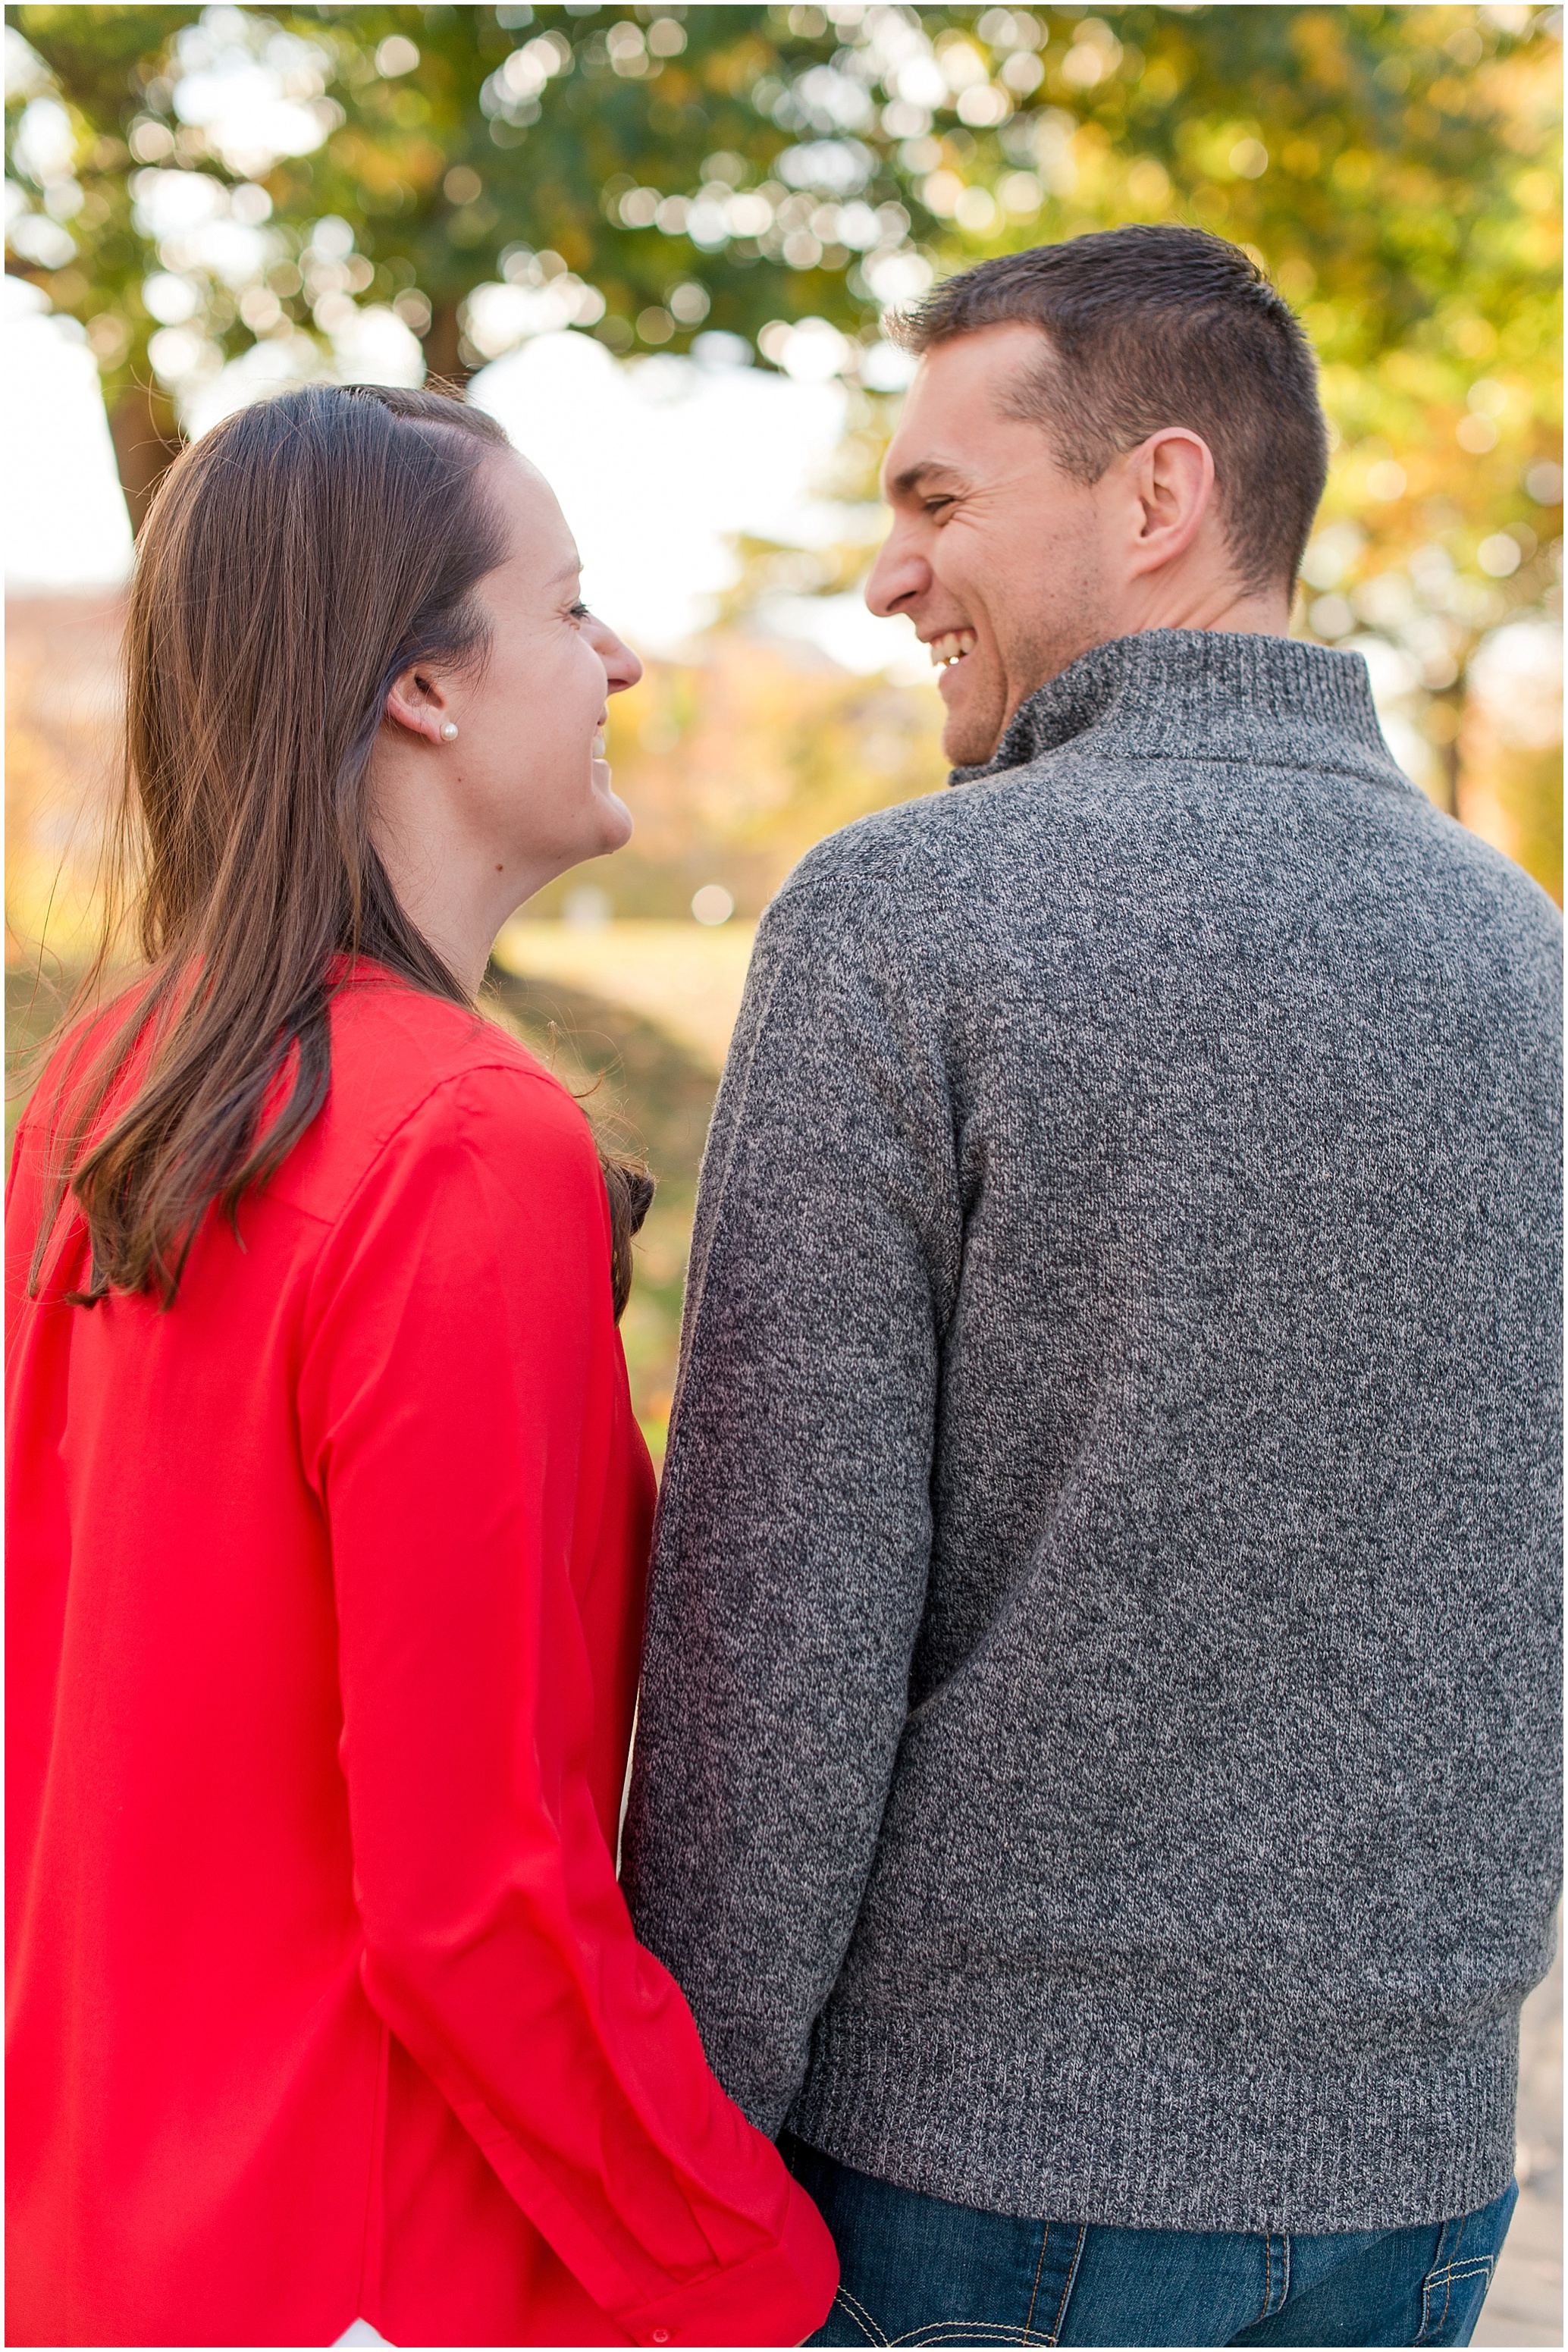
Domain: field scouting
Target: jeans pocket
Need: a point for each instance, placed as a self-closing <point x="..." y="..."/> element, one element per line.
<point x="1451" y="2299"/>
<point x="1454" y="2287"/>
<point x="848" y="2322"/>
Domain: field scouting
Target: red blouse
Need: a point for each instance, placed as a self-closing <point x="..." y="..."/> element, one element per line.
<point x="323" y="1621"/>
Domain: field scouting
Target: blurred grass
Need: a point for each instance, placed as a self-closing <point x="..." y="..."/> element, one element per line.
<point x="34" y="1003"/>
<point x="645" y="1093"/>
<point x="685" y="979"/>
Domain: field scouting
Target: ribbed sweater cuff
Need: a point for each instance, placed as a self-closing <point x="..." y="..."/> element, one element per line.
<point x="1027" y="2131"/>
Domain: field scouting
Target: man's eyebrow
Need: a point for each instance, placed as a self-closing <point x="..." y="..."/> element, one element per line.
<point x="567" y="572"/>
<point x="926" y="470"/>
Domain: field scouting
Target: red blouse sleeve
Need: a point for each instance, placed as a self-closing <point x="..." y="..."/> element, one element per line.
<point x="459" y="1372"/>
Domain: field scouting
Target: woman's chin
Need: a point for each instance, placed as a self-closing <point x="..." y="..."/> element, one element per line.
<point x="614" y="817"/>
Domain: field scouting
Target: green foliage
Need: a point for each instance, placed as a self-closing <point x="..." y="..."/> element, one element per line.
<point x="653" y="172"/>
<point x="1394" y="164"/>
<point x="656" y="173"/>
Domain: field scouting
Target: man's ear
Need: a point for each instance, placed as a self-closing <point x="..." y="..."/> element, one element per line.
<point x="1171" y="482"/>
<point x="419" y="702"/>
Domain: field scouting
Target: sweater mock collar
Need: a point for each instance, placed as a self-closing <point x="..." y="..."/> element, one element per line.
<point x="1206" y="694"/>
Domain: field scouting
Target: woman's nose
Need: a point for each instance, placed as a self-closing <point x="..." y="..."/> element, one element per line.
<point x="622" y="667"/>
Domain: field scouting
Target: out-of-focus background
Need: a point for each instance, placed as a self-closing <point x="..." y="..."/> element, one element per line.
<point x="659" y="242"/>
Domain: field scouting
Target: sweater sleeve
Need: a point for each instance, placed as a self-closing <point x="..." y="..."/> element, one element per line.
<point x="791" y="1563"/>
<point x="461" y="1365"/>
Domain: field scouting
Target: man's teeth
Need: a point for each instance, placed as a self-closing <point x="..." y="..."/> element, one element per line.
<point x="952" y="648"/>
<point x="599" y="747"/>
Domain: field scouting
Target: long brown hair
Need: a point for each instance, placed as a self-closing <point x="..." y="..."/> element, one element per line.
<point x="297" y="560"/>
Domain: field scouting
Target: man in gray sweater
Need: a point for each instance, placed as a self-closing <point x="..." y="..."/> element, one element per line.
<point x="1096" y="1780"/>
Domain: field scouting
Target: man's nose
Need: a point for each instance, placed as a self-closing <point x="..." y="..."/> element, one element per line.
<point x="897" y="576"/>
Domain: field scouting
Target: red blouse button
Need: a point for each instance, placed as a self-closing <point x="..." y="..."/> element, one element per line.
<point x="661" y="2334"/>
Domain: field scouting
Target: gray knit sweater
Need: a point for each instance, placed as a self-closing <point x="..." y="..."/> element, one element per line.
<point x="1098" y="1751"/>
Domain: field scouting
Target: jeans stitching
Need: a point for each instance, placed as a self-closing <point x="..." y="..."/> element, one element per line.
<point x="861" y="2316"/>
<point x="1275" y="2298"/>
<point x="1447" y="2303"/>
<point x="1034" y="2291"/>
<point x="1430" y="2328"/>
<point x="1477" y="2266"/>
<point x="959" y="2331"/>
<point x="1055" y="2334"/>
<point x="1448" y="2275"/>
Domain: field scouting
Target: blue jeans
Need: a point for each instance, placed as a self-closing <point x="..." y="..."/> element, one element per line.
<point x="919" y="2271"/>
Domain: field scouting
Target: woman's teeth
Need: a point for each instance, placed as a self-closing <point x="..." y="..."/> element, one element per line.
<point x="945" y="650"/>
<point x="599" y="752"/>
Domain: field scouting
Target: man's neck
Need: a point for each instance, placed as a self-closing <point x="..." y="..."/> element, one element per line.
<point x="1208" y="605"/>
<point x="1221" y="608"/>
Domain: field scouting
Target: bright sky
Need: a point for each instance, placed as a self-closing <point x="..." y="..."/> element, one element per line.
<point x="66" y="524"/>
<point x="656" y="466"/>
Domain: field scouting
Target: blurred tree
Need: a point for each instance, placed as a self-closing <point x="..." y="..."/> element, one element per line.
<point x="375" y="190"/>
<point x="738" y="760"/>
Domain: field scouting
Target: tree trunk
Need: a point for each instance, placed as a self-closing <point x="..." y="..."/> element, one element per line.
<point x="146" y="433"/>
<point x="1451" y="703"/>
<point x="444" y="362"/>
<point x="147" y="440"/>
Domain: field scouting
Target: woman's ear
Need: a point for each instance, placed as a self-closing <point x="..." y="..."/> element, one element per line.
<point x="419" y="702"/>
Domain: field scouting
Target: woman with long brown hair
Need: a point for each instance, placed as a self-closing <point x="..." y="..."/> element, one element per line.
<point x="329" y="1515"/>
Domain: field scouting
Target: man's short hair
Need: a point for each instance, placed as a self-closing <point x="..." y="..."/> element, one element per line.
<point x="1149" y="326"/>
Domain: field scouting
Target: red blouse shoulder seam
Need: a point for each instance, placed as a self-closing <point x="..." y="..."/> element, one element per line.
<point x="449" y="1079"/>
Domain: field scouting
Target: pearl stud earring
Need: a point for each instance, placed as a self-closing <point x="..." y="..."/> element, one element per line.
<point x="449" y="732"/>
